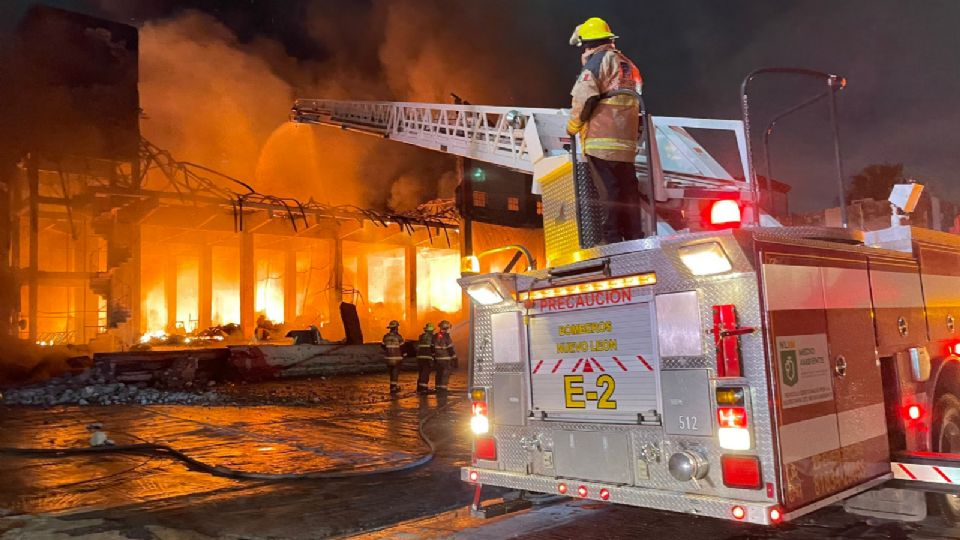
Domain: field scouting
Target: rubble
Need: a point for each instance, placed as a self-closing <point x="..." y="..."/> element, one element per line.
<point x="95" y="387"/>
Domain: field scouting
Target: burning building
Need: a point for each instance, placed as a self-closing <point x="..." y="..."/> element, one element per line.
<point x="111" y="238"/>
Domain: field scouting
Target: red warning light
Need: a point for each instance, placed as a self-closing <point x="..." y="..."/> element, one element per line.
<point x="725" y="213"/>
<point x="562" y="489"/>
<point x="775" y="515"/>
<point x="474" y="476"/>
<point x="604" y="494"/>
<point x="582" y="491"/>
<point x="738" y="512"/>
<point x="955" y="349"/>
<point x="914" y="412"/>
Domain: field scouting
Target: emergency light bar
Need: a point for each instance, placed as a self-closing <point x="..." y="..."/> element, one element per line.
<point x="638" y="280"/>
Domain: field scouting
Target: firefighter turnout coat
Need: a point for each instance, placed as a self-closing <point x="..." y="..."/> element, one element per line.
<point x="392" y="348"/>
<point x="443" y="347"/>
<point x="425" y="351"/>
<point x="605" y="107"/>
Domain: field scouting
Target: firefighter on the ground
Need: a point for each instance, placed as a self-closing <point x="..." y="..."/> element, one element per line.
<point x="606" y="114"/>
<point x="446" y="357"/>
<point x="392" y="345"/>
<point x="425" y="359"/>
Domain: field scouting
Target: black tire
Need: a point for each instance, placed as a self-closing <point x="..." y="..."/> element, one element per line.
<point x="946" y="438"/>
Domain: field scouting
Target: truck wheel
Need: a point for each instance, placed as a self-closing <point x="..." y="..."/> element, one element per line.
<point x="946" y="438"/>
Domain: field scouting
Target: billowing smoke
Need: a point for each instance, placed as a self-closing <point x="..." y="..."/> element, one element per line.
<point x="210" y="98"/>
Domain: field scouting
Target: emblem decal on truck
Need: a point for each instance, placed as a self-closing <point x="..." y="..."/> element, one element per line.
<point x="804" y="370"/>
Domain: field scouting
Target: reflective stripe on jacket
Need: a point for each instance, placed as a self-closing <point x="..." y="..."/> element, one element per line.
<point x="443" y="345"/>
<point x="392" y="346"/>
<point x="604" y="99"/>
<point x="425" y="346"/>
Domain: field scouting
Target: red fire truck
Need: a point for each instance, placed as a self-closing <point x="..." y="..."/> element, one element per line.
<point x="727" y="366"/>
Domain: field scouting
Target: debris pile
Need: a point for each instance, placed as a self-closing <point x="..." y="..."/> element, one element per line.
<point x="97" y="387"/>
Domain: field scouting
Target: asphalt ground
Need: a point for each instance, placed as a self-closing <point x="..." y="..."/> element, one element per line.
<point x="287" y="427"/>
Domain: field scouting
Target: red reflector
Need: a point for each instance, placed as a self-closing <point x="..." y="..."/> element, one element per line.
<point x="775" y="515"/>
<point x="738" y="512"/>
<point x="725" y="212"/>
<point x="562" y="489"/>
<point x="604" y="494"/>
<point x="474" y="476"/>
<point x="732" y="417"/>
<point x="914" y="412"/>
<point x="479" y="408"/>
<point x="485" y="448"/>
<point x="741" y="472"/>
<point x="582" y="491"/>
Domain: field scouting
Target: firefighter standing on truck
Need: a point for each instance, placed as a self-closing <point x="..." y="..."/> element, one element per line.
<point x="606" y="113"/>
<point x="392" y="346"/>
<point x="425" y="359"/>
<point x="444" y="355"/>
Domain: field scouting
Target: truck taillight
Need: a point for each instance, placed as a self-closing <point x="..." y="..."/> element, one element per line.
<point x="732" y="417"/>
<point x="733" y="431"/>
<point x="726" y="336"/>
<point x="479" y="421"/>
<point x="742" y="472"/>
<point x="485" y="448"/>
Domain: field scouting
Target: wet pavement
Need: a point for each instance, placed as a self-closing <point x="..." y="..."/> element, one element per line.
<point x="311" y="426"/>
<point x="592" y="520"/>
<point x="351" y="422"/>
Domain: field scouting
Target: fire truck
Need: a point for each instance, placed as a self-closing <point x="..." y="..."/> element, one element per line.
<point x="725" y="365"/>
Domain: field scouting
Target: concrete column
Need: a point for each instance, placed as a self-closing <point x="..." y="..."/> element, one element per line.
<point x="290" y="286"/>
<point x="82" y="308"/>
<point x="33" y="294"/>
<point x="248" y="285"/>
<point x="361" y="286"/>
<point x="170" y="291"/>
<point x="205" y="288"/>
<point x="410" y="262"/>
<point x="336" y="278"/>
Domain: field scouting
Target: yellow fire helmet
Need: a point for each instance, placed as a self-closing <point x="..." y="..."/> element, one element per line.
<point x="591" y="29"/>
<point x="428" y="327"/>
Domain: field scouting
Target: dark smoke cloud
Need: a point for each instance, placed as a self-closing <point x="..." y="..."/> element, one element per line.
<point x="901" y="59"/>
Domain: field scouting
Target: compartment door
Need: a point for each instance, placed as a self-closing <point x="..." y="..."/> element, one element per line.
<point x="807" y="413"/>
<point x="861" y="420"/>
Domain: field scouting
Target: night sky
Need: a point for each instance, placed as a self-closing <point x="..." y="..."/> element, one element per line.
<point x="902" y="60"/>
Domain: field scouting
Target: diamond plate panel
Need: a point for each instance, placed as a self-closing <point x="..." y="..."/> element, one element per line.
<point x="560" y="216"/>
<point x="590" y="211"/>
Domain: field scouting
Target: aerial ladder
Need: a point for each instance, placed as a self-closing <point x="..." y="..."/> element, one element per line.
<point x="679" y="172"/>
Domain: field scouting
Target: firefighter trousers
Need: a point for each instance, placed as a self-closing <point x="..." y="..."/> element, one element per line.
<point x="443" y="374"/>
<point x="423" y="378"/>
<point x="393" y="368"/>
<point x="620" y="196"/>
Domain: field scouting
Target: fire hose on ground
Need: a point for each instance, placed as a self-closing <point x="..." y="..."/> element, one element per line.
<point x="164" y="450"/>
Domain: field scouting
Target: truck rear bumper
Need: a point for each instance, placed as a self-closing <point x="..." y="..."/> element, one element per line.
<point x="700" y="505"/>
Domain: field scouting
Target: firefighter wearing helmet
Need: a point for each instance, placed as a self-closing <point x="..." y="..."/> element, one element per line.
<point x="425" y="359"/>
<point x="446" y="357"/>
<point x="606" y="114"/>
<point x="392" y="346"/>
